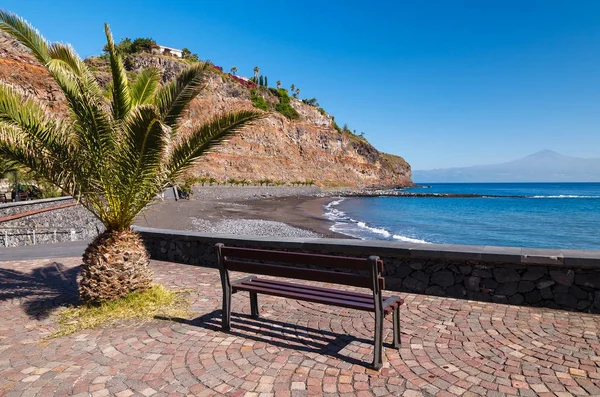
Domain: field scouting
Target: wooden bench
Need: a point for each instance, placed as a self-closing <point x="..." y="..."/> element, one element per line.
<point x="281" y="264"/>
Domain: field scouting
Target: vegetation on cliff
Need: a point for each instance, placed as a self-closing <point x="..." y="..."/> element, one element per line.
<point x="279" y="148"/>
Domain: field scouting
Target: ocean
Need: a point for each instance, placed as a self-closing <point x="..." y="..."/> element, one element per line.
<point x="536" y="215"/>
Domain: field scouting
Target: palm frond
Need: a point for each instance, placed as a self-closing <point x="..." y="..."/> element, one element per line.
<point x="29" y="137"/>
<point x="72" y="65"/>
<point x="85" y="100"/>
<point x="29" y="116"/>
<point x="205" y="138"/>
<point x="173" y="98"/>
<point x="144" y="88"/>
<point x="26" y="34"/>
<point x="66" y="171"/>
<point x="121" y="101"/>
<point x="17" y="147"/>
<point x="7" y="165"/>
<point x="139" y="160"/>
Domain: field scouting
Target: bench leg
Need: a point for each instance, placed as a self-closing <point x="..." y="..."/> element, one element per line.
<point x="226" y="312"/>
<point x="254" y="304"/>
<point x="396" y="320"/>
<point x="378" y="351"/>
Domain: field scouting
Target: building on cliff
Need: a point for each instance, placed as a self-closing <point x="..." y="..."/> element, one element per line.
<point x="162" y="50"/>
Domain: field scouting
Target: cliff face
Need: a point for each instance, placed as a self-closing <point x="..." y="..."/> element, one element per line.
<point x="279" y="149"/>
<point x="19" y="68"/>
<point x="274" y="147"/>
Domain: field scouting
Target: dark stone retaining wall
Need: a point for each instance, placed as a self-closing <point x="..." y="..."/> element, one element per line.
<point x="561" y="279"/>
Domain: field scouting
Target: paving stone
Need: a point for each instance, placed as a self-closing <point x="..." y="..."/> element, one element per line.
<point x="450" y="347"/>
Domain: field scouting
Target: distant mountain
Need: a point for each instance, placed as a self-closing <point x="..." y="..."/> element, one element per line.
<point x="544" y="166"/>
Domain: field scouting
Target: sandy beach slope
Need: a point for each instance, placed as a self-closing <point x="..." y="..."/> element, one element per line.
<point x="283" y="211"/>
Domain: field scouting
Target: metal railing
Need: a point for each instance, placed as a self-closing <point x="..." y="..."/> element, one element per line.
<point x="39" y="235"/>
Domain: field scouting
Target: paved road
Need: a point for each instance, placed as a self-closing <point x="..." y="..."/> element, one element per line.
<point x="44" y="251"/>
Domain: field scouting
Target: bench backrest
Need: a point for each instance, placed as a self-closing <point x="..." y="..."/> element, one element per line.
<point x="281" y="264"/>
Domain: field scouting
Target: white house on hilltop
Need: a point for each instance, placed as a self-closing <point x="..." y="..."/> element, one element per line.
<point x="162" y="50"/>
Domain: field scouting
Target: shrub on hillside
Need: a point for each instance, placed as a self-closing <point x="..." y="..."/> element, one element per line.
<point x="284" y="106"/>
<point x="245" y="83"/>
<point x="126" y="46"/>
<point x="336" y="127"/>
<point x="142" y="44"/>
<point x="258" y="100"/>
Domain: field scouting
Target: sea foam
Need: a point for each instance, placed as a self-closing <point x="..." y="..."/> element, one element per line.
<point x="565" y="196"/>
<point x="354" y="228"/>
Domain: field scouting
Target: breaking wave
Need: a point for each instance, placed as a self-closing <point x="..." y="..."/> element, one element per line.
<point x="565" y="196"/>
<point x="359" y="229"/>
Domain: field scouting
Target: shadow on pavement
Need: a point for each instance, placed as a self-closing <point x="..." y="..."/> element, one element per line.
<point x="43" y="290"/>
<point x="280" y="334"/>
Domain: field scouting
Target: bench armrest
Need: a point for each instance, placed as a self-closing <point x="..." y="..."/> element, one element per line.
<point x="391" y="300"/>
<point x="241" y="280"/>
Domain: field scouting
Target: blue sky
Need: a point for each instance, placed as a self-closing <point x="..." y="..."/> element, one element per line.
<point x="441" y="83"/>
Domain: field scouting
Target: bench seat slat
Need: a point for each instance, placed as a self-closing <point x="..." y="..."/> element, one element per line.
<point x="313" y="288"/>
<point x="364" y="298"/>
<point x="357" y="301"/>
<point x="298" y="273"/>
<point x="297" y="258"/>
<point x="391" y="301"/>
<point x="350" y="304"/>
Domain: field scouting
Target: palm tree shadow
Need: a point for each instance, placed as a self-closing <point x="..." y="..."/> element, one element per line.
<point x="41" y="291"/>
<point x="281" y="334"/>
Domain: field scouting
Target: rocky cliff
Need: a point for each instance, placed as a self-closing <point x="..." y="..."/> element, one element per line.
<point x="275" y="147"/>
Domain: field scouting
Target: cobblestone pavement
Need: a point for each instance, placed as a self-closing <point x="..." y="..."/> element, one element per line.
<point x="450" y="347"/>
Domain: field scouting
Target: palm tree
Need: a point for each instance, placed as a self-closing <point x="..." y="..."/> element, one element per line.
<point x="234" y="70"/>
<point x="256" y="70"/>
<point x="297" y="91"/>
<point x="114" y="157"/>
<point x="278" y="84"/>
<point x="293" y="88"/>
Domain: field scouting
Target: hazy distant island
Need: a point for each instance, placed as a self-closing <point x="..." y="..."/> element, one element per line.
<point x="543" y="166"/>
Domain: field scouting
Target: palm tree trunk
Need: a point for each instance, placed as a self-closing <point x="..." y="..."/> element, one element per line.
<point x="114" y="265"/>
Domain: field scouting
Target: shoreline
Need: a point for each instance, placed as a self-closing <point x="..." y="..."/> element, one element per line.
<point x="273" y="211"/>
<point x="304" y="212"/>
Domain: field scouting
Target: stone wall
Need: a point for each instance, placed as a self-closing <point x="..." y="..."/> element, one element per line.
<point x="66" y="224"/>
<point x="8" y="209"/>
<point x="561" y="279"/>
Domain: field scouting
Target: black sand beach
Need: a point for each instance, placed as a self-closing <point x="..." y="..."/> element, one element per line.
<point x="228" y="209"/>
